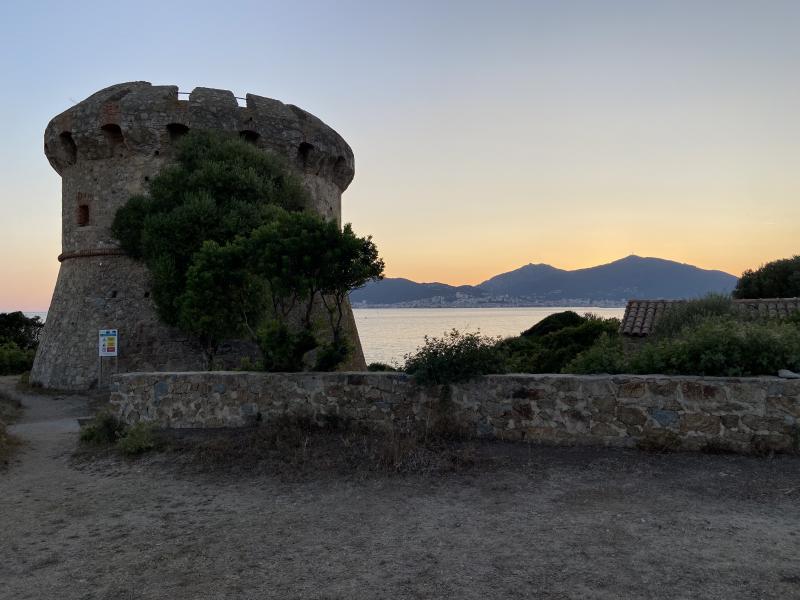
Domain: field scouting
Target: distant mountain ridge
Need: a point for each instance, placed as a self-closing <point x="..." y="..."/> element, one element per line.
<point x="541" y="284"/>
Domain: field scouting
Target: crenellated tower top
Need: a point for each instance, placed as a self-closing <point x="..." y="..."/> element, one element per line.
<point x="108" y="147"/>
<point x="138" y="119"/>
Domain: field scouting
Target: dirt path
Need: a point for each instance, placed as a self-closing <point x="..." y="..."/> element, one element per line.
<point x="566" y="523"/>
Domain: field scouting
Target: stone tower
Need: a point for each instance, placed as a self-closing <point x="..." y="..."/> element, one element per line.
<point x="106" y="149"/>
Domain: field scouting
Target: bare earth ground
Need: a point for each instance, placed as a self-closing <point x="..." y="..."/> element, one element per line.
<point x="550" y="523"/>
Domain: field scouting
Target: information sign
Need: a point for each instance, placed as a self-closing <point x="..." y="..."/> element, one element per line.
<point x="109" y="342"/>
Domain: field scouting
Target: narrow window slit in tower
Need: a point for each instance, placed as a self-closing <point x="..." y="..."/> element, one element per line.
<point x="249" y="136"/>
<point x="68" y="147"/>
<point x="176" y="131"/>
<point x="304" y="152"/>
<point x="340" y="170"/>
<point x="83" y="215"/>
<point x="113" y="135"/>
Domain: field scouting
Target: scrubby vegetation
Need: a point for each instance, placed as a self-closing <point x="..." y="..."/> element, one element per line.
<point x="295" y="445"/>
<point x="15" y="360"/>
<point x="722" y="347"/>
<point x="708" y="336"/>
<point x="777" y="279"/>
<point x="107" y="431"/>
<point x="545" y="348"/>
<point x="233" y="255"/>
<point x="549" y="349"/>
<point x="454" y="357"/>
<point x="19" y="336"/>
<point x="10" y="410"/>
<point x="137" y="439"/>
<point x="688" y="315"/>
<point x="606" y="355"/>
<point x="715" y="346"/>
<point x="379" y="366"/>
<point x="8" y="443"/>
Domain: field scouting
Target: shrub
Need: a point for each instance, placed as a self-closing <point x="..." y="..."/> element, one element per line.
<point x="283" y="349"/>
<point x="553" y="323"/>
<point x="20" y="330"/>
<point x="105" y="429"/>
<point x="248" y="364"/>
<point x="10" y="408"/>
<point x="691" y="313"/>
<point x="454" y="357"/>
<point x="331" y="355"/>
<point x="137" y="439"/>
<point x="551" y="352"/>
<point x="379" y="366"/>
<point x="777" y="279"/>
<point x="8" y="443"/>
<point x="605" y="356"/>
<point x="15" y="360"/>
<point x="722" y="346"/>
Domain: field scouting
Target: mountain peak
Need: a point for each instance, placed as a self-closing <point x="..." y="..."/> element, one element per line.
<point x="536" y="283"/>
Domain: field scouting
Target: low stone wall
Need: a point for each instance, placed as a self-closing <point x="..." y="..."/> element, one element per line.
<point x="747" y="414"/>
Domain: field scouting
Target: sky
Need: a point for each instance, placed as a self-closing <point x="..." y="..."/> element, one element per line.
<point x="487" y="135"/>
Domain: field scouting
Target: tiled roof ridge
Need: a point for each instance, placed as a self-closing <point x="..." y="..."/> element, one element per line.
<point x="641" y="315"/>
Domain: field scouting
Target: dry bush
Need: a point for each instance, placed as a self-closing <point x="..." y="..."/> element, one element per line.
<point x="10" y="410"/>
<point x="8" y="443"/>
<point x="300" y="445"/>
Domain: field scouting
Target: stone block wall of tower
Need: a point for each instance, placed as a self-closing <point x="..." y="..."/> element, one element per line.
<point x="106" y="149"/>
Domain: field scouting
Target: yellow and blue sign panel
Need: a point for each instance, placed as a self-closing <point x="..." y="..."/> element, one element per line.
<point x="109" y="342"/>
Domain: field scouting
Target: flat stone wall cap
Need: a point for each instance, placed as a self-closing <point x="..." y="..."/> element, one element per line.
<point x="505" y="376"/>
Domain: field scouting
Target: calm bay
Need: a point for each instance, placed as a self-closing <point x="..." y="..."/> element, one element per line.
<point x="387" y="334"/>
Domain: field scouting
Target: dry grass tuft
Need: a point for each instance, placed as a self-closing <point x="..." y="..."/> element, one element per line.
<point x="8" y="444"/>
<point x="298" y="446"/>
<point x="10" y="410"/>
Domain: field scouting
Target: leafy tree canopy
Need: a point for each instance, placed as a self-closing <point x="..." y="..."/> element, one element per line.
<point x="777" y="279"/>
<point x="16" y="328"/>
<point x="232" y="254"/>
<point x="218" y="188"/>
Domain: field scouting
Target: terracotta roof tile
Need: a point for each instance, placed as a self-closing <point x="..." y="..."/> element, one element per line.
<point x="641" y="316"/>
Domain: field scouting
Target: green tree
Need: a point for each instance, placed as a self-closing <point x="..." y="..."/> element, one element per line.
<point x="349" y="263"/>
<point x="777" y="279"/>
<point x="20" y="330"/>
<point x="307" y="262"/>
<point x="232" y="255"/>
<point x="219" y="187"/>
<point x="223" y="297"/>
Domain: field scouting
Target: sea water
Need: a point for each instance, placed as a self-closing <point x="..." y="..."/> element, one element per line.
<point x="387" y="334"/>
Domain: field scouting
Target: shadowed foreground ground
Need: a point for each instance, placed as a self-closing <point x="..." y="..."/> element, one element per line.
<point x="552" y="523"/>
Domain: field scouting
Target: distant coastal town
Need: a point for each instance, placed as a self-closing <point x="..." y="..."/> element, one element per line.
<point x="462" y="300"/>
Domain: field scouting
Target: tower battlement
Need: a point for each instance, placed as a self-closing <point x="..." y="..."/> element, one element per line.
<point x="138" y="118"/>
